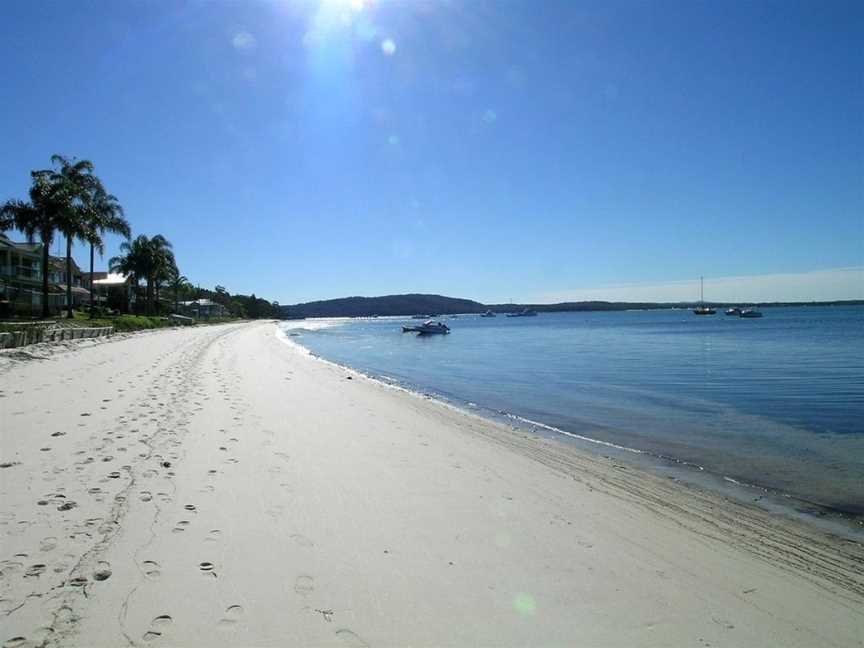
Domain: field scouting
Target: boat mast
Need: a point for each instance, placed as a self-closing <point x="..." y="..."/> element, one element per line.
<point x="702" y="290"/>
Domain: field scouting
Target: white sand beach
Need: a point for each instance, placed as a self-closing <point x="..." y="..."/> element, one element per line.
<point x="215" y="486"/>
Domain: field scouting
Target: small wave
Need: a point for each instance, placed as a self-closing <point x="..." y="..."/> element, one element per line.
<point x="573" y="435"/>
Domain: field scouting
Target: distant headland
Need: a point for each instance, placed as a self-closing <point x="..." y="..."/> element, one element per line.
<point x="411" y="304"/>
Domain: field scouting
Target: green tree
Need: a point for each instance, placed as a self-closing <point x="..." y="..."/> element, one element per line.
<point x="165" y="267"/>
<point x="37" y="218"/>
<point x="178" y="283"/>
<point x="103" y="215"/>
<point x="150" y="259"/>
<point x="74" y="182"/>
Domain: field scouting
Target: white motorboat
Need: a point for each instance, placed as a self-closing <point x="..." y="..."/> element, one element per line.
<point x="750" y="313"/>
<point x="525" y="312"/>
<point x="429" y="327"/>
<point x="488" y="313"/>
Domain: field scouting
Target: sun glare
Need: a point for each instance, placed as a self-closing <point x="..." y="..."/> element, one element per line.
<point x="352" y="5"/>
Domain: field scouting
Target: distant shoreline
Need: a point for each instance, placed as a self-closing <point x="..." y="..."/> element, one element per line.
<point x="432" y="305"/>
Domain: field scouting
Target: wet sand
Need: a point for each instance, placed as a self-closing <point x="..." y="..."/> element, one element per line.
<point x="218" y="487"/>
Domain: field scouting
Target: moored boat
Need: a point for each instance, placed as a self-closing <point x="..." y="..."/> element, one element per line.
<point x="750" y="313"/>
<point x="733" y="312"/>
<point x="488" y="313"/>
<point x="429" y="327"/>
<point x="525" y="312"/>
<point x="702" y="309"/>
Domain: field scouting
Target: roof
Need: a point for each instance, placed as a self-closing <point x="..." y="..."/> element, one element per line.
<point x="59" y="263"/>
<point x="26" y="248"/>
<point x="113" y="279"/>
<point x="200" y="302"/>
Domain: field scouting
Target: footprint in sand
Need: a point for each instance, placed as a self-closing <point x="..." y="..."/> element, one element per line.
<point x="151" y="569"/>
<point x="207" y="568"/>
<point x="103" y="571"/>
<point x="181" y="526"/>
<point x="34" y="571"/>
<point x="10" y="567"/>
<point x="213" y="536"/>
<point x="304" y="585"/>
<point x="48" y="544"/>
<point x="233" y="614"/>
<point x="350" y="639"/>
<point x="302" y="540"/>
<point x="158" y="626"/>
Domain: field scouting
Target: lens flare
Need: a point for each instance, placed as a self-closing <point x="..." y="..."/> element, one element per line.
<point x="525" y="604"/>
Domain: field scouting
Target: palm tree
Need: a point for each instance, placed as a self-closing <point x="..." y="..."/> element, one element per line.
<point x="104" y="214"/>
<point x="133" y="260"/>
<point x="164" y="265"/>
<point x="75" y="182"/>
<point x="37" y="218"/>
<point x="145" y="258"/>
<point x="178" y="282"/>
<point x="7" y="220"/>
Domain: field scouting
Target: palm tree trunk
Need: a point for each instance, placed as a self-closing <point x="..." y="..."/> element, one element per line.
<point x="68" y="277"/>
<point x="149" y="295"/>
<point x="45" y="311"/>
<point x="92" y="303"/>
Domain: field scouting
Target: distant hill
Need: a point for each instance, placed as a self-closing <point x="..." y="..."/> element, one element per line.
<point x="439" y="305"/>
<point x="387" y="305"/>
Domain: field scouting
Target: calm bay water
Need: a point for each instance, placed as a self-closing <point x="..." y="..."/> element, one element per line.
<point x="777" y="402"/>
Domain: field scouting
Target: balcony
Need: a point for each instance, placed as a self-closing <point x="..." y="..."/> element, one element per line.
<point x="21" y="272"/>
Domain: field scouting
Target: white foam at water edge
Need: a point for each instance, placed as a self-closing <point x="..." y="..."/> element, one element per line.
<point x="550" y="428"/>
<point x="283" y="336"/>
<point x="312" y="324"/>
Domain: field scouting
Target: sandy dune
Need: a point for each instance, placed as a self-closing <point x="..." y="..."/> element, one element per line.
<point x="216" y="487"/>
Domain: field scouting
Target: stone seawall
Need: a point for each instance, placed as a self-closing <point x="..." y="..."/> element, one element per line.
<point x="33" y="335"/>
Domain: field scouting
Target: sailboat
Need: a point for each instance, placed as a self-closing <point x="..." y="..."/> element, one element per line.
<point x="702" y="309"/>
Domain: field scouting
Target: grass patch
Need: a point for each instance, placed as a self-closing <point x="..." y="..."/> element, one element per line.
<point x="121" y="323"/>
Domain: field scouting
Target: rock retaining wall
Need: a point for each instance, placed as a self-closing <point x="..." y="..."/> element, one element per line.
<point x="32" y="335"/>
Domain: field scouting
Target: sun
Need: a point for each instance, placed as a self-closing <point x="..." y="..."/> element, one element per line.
<point x="353" y="5"/>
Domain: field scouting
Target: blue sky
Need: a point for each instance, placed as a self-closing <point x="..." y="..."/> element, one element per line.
<point x="493" y="150"/>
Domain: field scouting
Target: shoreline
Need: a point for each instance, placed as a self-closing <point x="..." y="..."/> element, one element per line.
<point x="220" y="487"/>
<point x="843" y="523"/>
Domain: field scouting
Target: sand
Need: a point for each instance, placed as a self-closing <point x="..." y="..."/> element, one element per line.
<point x="217" y="487"/>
